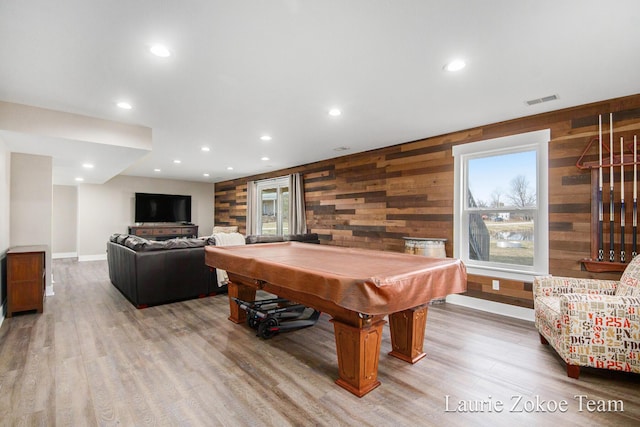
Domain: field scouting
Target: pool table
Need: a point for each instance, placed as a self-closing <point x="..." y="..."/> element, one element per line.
<point x="356" y="287"/>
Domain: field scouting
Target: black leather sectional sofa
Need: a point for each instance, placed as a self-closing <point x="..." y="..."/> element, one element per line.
<point x="149" y="272"/>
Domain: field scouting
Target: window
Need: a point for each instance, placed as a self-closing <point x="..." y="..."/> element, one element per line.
<point x="273" y="201"/>
<point x="500" y="205"/>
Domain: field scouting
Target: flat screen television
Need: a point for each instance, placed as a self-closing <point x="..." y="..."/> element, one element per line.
<point x="162" y="208"/>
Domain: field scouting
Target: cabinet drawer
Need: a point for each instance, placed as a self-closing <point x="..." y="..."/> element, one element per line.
<point x="160" y="232"/>
<point x="26" y="295"/>
<point x="25" y="267"/>
<point x="166" y="231"/>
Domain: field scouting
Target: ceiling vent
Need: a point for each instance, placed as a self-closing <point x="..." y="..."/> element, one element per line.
<point x="541" y="100"/>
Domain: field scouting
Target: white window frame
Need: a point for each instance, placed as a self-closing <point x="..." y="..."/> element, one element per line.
<point x="538" y="141"/>
<point x="268" y="184"/>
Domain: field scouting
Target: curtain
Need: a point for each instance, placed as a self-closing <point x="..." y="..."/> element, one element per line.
<point x="252" y="208"/>
<point x="297" y="215"/>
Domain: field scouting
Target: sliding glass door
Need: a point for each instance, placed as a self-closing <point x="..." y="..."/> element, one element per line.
<point x="273" y="213"/>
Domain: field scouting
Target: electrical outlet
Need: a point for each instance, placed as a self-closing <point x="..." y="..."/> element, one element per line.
<point x="495" y="285"/>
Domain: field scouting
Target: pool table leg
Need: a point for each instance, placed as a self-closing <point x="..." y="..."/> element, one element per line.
<point x="242" y="292"/>
<point x="407" y="333"/>
<point x="358" y="351"/>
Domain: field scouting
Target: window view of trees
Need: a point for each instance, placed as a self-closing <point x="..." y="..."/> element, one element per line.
<point x="501" y="222"/>
<point x="520" y="195"/>
<point x="501" y="205"/>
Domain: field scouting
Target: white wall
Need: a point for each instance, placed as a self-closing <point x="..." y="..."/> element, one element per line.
<point x="109" y="208"/>
<point x="64" y="237"/>
<point x="5" y="171"/>
<point x="30" y="200"/>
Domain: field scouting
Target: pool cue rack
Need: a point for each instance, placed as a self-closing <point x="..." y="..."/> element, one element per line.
<point x="614" y="182"/>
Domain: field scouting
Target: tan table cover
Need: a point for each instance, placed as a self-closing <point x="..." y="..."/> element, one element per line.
<point x="365" y="281"/>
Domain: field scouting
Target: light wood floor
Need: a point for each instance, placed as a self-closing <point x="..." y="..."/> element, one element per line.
<point x="93" y="359"/>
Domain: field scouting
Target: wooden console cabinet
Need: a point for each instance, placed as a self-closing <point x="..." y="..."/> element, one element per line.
<point x="163" y="232"/>
<point x="26" y="278"/>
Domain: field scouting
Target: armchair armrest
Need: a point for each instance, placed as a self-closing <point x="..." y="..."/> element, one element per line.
<point x="553" y="286"/>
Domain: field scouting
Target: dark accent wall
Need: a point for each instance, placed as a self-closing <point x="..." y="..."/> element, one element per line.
<point x="375" y="198"/>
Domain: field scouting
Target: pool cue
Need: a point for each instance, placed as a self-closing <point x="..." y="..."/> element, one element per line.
<point x="622" y="253"/>
<point x="612" y="214"/>
<point x="600" y="215"/>
<point x="634" y="246"/>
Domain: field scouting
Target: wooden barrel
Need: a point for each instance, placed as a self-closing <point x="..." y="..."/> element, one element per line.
<point x="430" y="247"/>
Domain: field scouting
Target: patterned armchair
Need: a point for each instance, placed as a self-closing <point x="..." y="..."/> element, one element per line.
<point x="589" y="322"/>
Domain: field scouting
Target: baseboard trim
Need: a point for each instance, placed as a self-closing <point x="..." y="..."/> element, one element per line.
<point x="60" y="255"/>
<point x="101" y="257"/>
<point x="492" y="307"/>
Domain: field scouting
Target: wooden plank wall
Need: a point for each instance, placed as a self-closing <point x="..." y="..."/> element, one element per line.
<point x="375" y="198"/>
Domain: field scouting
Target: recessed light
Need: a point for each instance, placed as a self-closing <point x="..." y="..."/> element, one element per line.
<point x="206" y="149"/>
<point x="341" y="149"/>
<point x="87" y="165"/>
<point x="335" y="112"/>
<point x="156" y="170"/>
<point x="265" y="138"/>
<point x="205" y="174"/>
<point x="79" y="179"/>
<point x="264" y="158"/>
<point x="124" y="105"/>
<point x="229" y="168"/>
<point x="177" y="162"/>
<point x="160" y="50"/>
<point x="455" y="65"/>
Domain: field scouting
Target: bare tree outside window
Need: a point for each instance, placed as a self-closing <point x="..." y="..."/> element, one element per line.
<point x="496" y="197"/>
<point x="522" y="196"/>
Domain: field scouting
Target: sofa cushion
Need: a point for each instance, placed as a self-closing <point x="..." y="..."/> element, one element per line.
<point x="629" y="285"/>
<point x="121" y="238"/>
<point x="136" y="243"/>
<point x="140" y="244"/>
<point x="307" y="237"/>
<point x="184" y="243"/>
<point x="263" y="238"/>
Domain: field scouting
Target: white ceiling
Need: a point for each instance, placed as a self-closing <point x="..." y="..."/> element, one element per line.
<point x="241" y="69"/>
